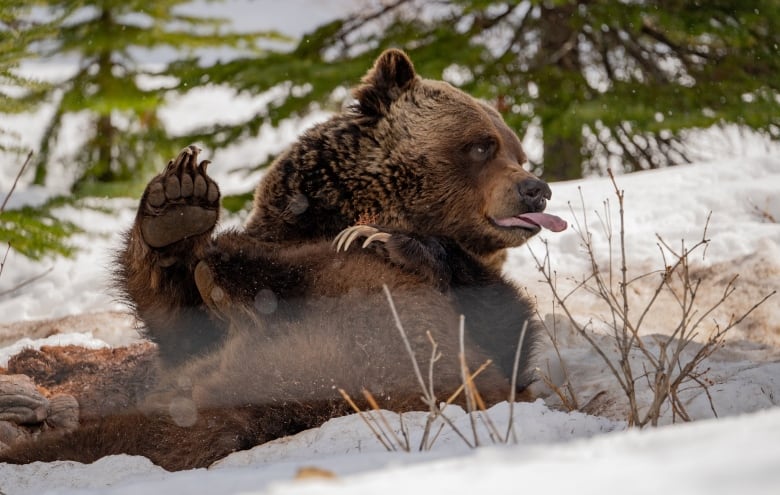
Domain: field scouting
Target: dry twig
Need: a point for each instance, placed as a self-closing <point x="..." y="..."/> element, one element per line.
<point x="366" y="420"/>
<point x="16" y="181"/>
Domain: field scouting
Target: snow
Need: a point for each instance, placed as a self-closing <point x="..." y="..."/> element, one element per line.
<point x="556" y="451"/>
<point x="707" y="457"/>
<point x="62" y="339"/>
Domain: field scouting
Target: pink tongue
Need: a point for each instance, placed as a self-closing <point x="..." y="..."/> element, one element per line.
<point x="551" y="222"/>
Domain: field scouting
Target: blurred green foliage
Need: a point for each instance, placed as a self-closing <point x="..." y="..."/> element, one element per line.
<point x="105" y="42"/>
<point x="36" y="231"/>
<point x="16" y="38"/>
<point x="597" y="79"/>
<point x="606" y="82"/>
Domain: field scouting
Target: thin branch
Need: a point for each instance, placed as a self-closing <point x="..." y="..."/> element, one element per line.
<point x="468" y="390"/>
<point x="373" y="404"/>
<point x="16" y="181"/>
<point x="680" y="50"/>
<point x="359" y="20"/>
<point x="461" y="387"/>
<point x="408" y="346"/>
<point x="432" y="410"/>
<point x="360" y="413"/>
<point x="637" y="51"/>
<point x="405" y="432"/>
<point x="26" y="282"/>
<point x="706" y="389"/>
<point x="430" y="400"/>
<point x="571" y="401"/>
<point x="513" y="390"/>
<point x="5" y="257"/>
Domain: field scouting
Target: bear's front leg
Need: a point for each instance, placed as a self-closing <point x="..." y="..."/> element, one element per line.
<point x="424" y="256"/>
<point x="172" y="231"/>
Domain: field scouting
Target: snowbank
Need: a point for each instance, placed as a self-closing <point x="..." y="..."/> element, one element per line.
<point x="556" y="453"/>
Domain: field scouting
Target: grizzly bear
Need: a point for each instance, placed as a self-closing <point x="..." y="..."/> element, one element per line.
<point x="417" y="188"/>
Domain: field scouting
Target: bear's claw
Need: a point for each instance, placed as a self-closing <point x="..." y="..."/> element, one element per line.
<point x="346" y="237"/>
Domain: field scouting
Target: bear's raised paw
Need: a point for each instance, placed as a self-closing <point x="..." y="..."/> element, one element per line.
<point x="180" y="203"/>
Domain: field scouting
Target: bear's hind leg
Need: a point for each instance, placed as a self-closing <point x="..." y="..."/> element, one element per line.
<point x="268" y="277"/>
<point x="157" y="437"/>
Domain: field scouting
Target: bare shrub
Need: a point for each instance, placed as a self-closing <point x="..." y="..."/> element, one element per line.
<point x="669" y="364"/>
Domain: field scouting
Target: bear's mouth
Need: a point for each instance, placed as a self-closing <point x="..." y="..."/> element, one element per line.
<point x="533" y="221"/>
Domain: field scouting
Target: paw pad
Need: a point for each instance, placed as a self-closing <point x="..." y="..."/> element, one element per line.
<point x="181" y="202"/>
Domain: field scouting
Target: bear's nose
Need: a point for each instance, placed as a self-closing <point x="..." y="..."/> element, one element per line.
<point x="534" y="194"/>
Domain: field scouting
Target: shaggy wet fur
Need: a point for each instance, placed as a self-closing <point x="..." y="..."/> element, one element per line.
<point x="257" y="329"/>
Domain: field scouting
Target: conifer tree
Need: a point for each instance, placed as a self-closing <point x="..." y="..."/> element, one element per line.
<point x="18" y="93"/>
<point x="107" y="38"/>
<point x="605" y="81"/>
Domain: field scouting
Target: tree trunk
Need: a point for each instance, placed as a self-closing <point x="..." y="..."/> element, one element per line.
<point x="561" y="88"/>
<point x="562" y="157"/>
<point x="102" y="171"/>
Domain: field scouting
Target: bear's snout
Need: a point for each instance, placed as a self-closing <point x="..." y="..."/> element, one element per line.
<point x="534" y="193"/>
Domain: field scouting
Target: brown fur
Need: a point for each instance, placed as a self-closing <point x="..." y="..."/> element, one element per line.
<point x="256" y="329"/>
<point x="103" y="381"/>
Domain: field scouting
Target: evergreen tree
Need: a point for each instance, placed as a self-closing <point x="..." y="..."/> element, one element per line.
<point x="605" y="81"/>
<point x="18" y="93"/>
<point x="107" y="37"/>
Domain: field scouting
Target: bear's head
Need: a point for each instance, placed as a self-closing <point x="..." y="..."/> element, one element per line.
<point x="454" y="164"/>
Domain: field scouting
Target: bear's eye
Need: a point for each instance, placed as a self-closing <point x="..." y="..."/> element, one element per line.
<point x="482" y="151"/>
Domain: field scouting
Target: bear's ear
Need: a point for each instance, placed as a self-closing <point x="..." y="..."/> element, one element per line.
<point x="392" y="74"/>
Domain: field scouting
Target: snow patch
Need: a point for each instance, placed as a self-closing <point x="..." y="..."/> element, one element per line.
<point x="63" y="339"/>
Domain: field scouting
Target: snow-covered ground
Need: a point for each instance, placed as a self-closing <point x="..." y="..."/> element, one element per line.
<point x="557" y="453"/>
<point x="70" y="301"/>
